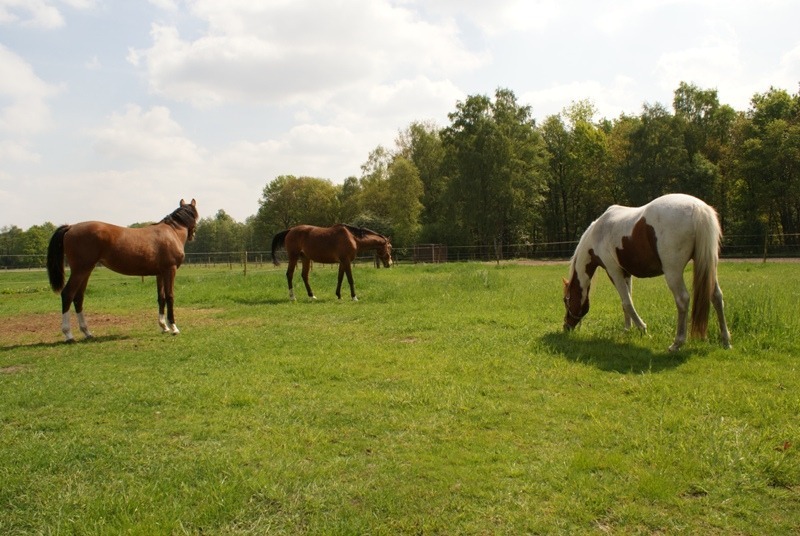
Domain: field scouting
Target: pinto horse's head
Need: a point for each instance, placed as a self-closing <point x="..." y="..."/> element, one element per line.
<point x="574" y="303"/>
<point x="384" y="253"/>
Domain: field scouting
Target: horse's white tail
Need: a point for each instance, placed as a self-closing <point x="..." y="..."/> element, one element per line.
<point x="708" y="235"/>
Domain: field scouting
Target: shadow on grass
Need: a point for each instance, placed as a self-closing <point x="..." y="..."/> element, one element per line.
<point x="94" y="340"/>
<point x="613" y="356"/>
<point x="261" y="301"/>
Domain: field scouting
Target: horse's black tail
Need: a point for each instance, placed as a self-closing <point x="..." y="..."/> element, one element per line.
<point x="55" y="259"/>
<point x="277" y="242"/>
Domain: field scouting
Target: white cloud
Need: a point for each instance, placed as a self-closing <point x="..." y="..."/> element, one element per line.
<point x="93" y="64"/>
<point x="299" y="52"/>
<point x="30" y="13"/>
<point x="17" y="153"/>
<point x="715" y="60"/>
<point x="611" y="100"/>
<point x="23" y="96"/>
<point x="146" y="138"/>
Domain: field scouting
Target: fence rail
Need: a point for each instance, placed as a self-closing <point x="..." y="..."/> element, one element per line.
<point x="775" y="246"/>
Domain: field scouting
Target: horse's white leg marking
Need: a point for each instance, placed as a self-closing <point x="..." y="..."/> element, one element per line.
<point x="291" y="294"/>
<point x="355" y="298"/>
<point x="175" y="329"/>
<point x="681" y="294"/>
<point x="162" y="322"/>
<point x="65" y="329"/>
<point x="83" y="326"/>
<point x="719" y="307"/>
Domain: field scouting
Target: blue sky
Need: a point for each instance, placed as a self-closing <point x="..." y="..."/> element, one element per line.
<point x="115" y="110"/>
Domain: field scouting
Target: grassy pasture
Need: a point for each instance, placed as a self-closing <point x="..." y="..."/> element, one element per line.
<point x="446" y="401"/>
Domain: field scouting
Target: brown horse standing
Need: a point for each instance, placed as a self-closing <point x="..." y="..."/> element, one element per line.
<point x="329" y="245"/>
<point x="153" y="250"/>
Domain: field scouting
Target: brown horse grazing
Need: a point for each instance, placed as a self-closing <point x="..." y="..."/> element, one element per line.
<point x="153" y="250"/>
<point x="330" y="245"/>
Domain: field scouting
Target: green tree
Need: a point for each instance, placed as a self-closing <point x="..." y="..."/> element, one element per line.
<point x="767" y="145"/>
<point x="421" y="144"/>
<point x="658" y="157"/>
<point x="288" y="201"/>
<point x="405" y="190"/>
<point x="579" y="180"/>
<point x="494" y="157"/>
<point x="706" y="126"/>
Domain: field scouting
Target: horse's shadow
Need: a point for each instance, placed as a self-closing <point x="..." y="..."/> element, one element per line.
<point x="92" y="340"/>
<point x="613" y="356"/>
<point x="262" y="301"/>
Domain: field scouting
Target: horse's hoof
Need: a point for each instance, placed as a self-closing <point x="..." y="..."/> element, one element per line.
<point x="355" y="298"/>
<point x="69" y="341"/>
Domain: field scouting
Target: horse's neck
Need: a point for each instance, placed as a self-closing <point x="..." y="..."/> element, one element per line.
<point x="370" y="241"/>
<point x="585" y="261"/>
<point x="180" y="231"/>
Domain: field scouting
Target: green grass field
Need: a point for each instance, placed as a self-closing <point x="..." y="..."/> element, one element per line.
<point x="446" y="401"/>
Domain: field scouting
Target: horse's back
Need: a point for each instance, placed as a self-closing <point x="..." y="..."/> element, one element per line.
<point x="328" y="245"/>
<point x="647" y="240"/>
<point x="129" y="251"/>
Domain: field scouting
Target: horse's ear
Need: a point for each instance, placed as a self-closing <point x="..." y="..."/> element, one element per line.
<point x="193" y="203"/>
<point x="183" y="203"/>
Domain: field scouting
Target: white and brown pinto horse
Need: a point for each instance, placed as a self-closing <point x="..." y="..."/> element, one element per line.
<point x="330" y="245"/>
<point x="153" y="250"/>
<point x="658" y="238"/>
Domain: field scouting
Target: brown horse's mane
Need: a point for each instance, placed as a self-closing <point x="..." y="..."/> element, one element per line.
<point x="185" y="216"/>
<point x="361" y="232"/>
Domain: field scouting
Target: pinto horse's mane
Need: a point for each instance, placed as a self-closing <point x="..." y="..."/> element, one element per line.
<point x="185" y="216"/>
<point x="361" y="232"/>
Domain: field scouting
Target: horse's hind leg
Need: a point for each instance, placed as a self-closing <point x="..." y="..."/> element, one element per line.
<point x="73" y="292"/>
<point x="719" y="307"/>
<point x="79" y="308"/>
<point x="306" y="270"/>
<point x="290" y="275"/>
<point x="677" y="285"/>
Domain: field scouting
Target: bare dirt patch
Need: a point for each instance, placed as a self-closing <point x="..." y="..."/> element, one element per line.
<point x="13" y="369"/>
<point x="45" y="328"/>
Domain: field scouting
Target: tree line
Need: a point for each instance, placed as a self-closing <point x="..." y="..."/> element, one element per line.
<point x="494" y="176"/>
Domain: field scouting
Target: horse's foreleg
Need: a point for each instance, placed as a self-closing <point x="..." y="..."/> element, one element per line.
<point x="681" y="294"/>
<point x="628" y="319"/>
<point x="305" y="272"/>
<point x="623" y="287"/>
<point x="719" y="307"/>
<point x="169" y="294"/>
<point x="162" y="303"/>
<point x="349" y="272"/>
